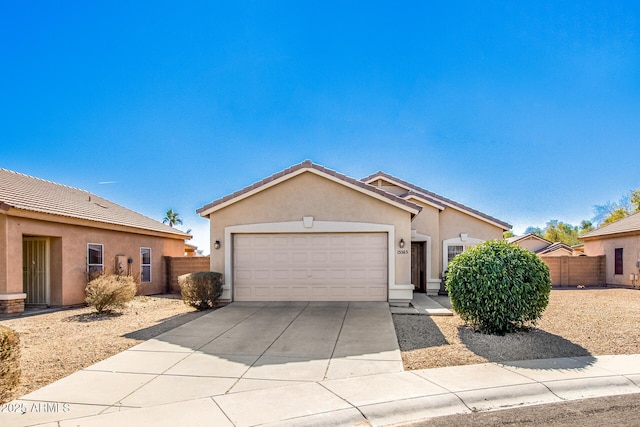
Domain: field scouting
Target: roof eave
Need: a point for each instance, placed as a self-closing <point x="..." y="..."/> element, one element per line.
<point x="291" y="173"/>
<point x="396" y="181"/>
<point x="73" y="220"/>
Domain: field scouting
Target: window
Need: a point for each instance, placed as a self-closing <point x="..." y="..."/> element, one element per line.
<point x="95" y="259"/>
<point x="618" y="261"/>
<point x="455" y="246"/>
<point x="145" y="265"/>
<point x="452" y="251"/>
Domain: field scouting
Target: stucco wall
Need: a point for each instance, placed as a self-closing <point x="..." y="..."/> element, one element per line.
<point x="3" y="252"/>
<point x="308" y="194"/>
<point x="454" y="222"/>
<point x="630" y="255"/>
<point x="68" y="256"/>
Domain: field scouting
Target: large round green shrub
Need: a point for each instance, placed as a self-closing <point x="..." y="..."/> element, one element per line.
<point x="497" y="287"/>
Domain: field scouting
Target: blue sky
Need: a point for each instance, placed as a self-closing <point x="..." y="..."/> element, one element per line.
<point x="528" y="111"/>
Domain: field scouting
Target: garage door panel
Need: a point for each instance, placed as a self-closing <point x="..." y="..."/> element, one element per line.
<point x="321" y="267"/>
<point x="338" y="274"/>
<point x="300" y="257"/>
<point x="299" y="274"/>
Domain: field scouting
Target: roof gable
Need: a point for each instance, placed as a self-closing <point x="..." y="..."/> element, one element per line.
<point x="435" y="198"/>
<point x="24" y="192"/>
<point x="304" y="167"/>
<point x="528" y="236"/>
<point x="557" y="246"/>
<point x="627" y="224"/>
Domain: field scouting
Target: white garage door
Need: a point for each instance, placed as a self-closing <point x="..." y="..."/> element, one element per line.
<point x="310" y="267"/>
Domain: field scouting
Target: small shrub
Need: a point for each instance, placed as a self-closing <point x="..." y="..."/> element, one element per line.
<point x="106" y="293"/>
<point x="497" y="287"/>
<point x="201" y="290"/>
<point x="9" y="362"/>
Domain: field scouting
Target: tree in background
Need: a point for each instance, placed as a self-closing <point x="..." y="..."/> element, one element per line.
<point x="612" y="212"/>
<point x="507" y="234"/>
<point x="172" y="218"/>
<point x="558" y="231"/>
<point x="585" y="226"/>
<point x="536" y="231"/>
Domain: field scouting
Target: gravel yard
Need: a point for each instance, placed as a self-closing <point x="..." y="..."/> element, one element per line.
<point x="577" y="322"/>
<point x="57" y="344"/>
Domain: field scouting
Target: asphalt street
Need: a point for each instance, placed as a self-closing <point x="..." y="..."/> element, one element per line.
<point x="622" y="410"/>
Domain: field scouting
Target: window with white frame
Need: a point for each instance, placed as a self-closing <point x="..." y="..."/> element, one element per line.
<point x="145" y="265"/>
<point x="452" y="251"/>
<point x="455" y="246"/>
<point x="95" y="258"/>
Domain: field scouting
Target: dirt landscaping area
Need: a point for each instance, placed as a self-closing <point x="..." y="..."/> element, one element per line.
<point x="54" y="345"/>
<point x="577" y="322"/>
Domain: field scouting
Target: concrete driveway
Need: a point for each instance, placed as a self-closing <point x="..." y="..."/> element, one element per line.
<point x="241" y="347"/>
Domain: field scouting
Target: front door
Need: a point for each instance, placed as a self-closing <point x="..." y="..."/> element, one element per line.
<point x="417" y="266"/>
<point x="35" y="270"/>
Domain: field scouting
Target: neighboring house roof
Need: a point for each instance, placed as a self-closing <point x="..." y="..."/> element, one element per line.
<point x="308" y="166"/>
<point x="516" y="239"/>
<point x="28" y="193"/>
<point x="435" y="198"/>
<point x="628" y="224"/>
<point x="554" y="247"/>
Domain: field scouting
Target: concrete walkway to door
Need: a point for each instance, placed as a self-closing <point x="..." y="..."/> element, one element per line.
<point x="241" y="347"/>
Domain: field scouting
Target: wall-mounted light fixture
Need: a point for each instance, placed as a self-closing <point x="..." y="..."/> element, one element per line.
<point x="401" y="243"/>
<point x="216" y="244"/>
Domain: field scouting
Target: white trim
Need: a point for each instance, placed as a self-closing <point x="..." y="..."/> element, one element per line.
<point x="300" y="171"/>
<point x="391" y="181"/>
<point x="298" y="227"/>
<point x="13" y="297"/>
<point x="143" y="265"/>
<point x="425" y="201"/>
<point x="456" y="241"/>
<point x="101" y="253"/>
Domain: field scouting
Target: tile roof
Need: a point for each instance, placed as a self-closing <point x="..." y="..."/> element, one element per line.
<point x="526" y="236"/>
<point x="554" y="247"/>
<point x="28" y="193"/>
<point x="628" y="224"/>
<point x="307" y="164"/>
<point x="438" y="199"/>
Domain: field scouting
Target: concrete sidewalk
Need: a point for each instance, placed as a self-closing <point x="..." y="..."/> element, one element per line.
<point x="180" y="378"/>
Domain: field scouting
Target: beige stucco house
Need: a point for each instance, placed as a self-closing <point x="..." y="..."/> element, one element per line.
<point x="619" y="242"/>
<point x="311" y="233"/>
<point x="52" y="235"/>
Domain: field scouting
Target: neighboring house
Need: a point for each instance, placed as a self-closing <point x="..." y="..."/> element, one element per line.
<point x="620" y="243"/>
<point x="530" y="241"/>
<point x="556" y="249"/>
<point x="52" y="235"/>
<point x="541" y="246"/>
<point x="190" y="250"/>
<point x="310" y="233"/>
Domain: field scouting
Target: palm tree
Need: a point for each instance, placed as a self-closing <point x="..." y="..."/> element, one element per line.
<point x="171" y="218"/>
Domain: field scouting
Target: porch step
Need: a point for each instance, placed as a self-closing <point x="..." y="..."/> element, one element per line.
<point x="422" y="305"/>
